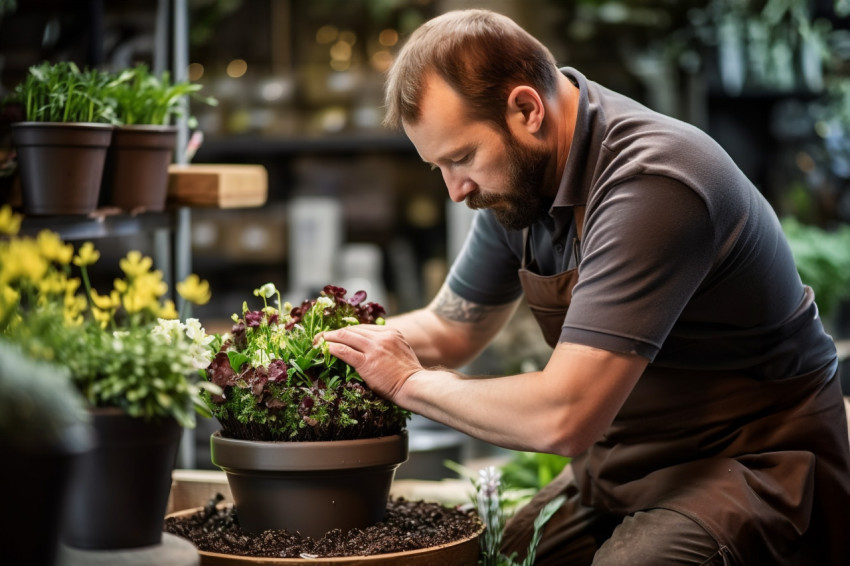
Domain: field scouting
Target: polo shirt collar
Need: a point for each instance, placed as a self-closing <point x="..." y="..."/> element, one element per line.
<point x="584" y="152"/>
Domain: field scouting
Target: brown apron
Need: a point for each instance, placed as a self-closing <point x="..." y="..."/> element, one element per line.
<point x="764" y="467"/>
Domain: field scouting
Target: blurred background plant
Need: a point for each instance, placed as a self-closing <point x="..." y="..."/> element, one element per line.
<point x="39" y="407"/>
<point x="823" y="261"/>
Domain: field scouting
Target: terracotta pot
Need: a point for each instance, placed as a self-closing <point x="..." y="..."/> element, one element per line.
<point x="61" y="165"/>
<point x="136" y="176"/>
<point x="462" y="552"/>
<point x="309" y="487"/>
<point x="120" y="489"/>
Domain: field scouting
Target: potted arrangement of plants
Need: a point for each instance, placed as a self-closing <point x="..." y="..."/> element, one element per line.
<point x="143" y="143"/>
<point x="61" y="144"/>
<point x="305" y="445"/>
<point x="130" y="358"/>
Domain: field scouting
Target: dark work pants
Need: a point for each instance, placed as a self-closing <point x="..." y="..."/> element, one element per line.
<point x="579" y="535"/>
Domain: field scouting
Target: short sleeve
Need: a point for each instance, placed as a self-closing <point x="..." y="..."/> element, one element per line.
<point x="648" y="245"/>
<point x="485" y="270"/>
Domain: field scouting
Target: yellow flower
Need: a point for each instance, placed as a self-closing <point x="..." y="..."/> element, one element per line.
<point x="52" y="248"/>
<point x="71" y="286"/>
<point x="75" y="302"/>
<point x="135" y="265"/>
<point x="10" y="223"/>
<point x="87" y="255"/>
<point x="101" y="317"/>
<point x="194" y="290"/>
<point x="73" y="308"/>
<point x="22" y="260"/>
<point x="149" y="287"/>
<point x="121" y="286"/>
<point x="135" y="301"/>
<point x="71" y="318"/>
<point x="168" y="311"/>
<point x="9" y="298"/>
<point x="54" y="283"/>
<point x="108" y="302"/>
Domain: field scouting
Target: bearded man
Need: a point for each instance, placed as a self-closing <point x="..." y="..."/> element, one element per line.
<point x="691" y="380"/>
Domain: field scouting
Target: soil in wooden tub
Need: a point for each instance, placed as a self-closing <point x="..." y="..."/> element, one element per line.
<point x="408" y="525"/>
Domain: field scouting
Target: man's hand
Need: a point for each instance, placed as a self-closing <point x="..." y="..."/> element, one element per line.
<point x="379" y="354"/>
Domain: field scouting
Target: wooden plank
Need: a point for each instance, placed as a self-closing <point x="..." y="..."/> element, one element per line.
<point x="217" y="185"/>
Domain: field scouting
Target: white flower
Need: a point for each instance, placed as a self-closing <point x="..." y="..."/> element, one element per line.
<point x="489" y="479"/>
<point x="168" y="330"/>
<point x="324" y="302"/>
<point x="350" y="320"/>
<point x="268" y="290"/>
<point x="201" y="356"/>
<point x="196" y="333"/>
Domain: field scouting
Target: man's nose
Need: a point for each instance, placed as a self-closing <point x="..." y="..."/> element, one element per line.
<point x="458" y="185"/>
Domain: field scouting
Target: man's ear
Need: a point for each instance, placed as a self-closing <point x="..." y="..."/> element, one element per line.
<point x="525" y="109"/>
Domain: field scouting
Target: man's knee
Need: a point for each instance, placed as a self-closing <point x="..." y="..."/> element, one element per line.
<point x="660" y="537"/>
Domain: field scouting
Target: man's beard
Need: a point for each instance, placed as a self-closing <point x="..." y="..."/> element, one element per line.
<point x="521" y="205"/>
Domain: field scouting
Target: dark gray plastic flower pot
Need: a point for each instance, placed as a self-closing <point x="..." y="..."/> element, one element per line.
<point x="309" y="487"/>
<point x="61" y="165"/>
<point x="119" y="492"/>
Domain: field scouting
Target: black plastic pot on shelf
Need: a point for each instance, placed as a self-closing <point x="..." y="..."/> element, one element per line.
<point x="136" y="175"/>
<point x="61" y="165"/>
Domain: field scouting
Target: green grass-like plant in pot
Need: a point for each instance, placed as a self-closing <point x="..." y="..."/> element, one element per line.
<point x="324" y="447"/>
<point x="61" y="144"/>
<point x="134" y="363"/>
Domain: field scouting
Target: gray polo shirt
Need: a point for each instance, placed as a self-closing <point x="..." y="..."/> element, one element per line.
<point x="683" y="261"/>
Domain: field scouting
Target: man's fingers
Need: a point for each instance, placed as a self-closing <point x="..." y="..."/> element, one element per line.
<point x="346" y="353"/>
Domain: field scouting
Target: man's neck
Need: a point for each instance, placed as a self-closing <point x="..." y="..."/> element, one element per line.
<point x="565" y="115"/>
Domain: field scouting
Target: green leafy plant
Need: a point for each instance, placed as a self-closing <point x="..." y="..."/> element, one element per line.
<point x="61" y="92"/>
<point x="141" y="97"/>
<point x="823" y="260"/>
<point x="123" y="349"/>
<point x="278" y="381"/>
<point x="532" y="470"/>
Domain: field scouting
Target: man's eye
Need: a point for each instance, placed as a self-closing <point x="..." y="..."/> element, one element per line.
<point x="462" y="160"/>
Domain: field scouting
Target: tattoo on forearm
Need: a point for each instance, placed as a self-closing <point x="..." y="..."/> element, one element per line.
<point x="448" y="305"/>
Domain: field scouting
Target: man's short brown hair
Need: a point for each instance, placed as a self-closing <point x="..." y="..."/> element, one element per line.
<point x="482" y="55"/>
